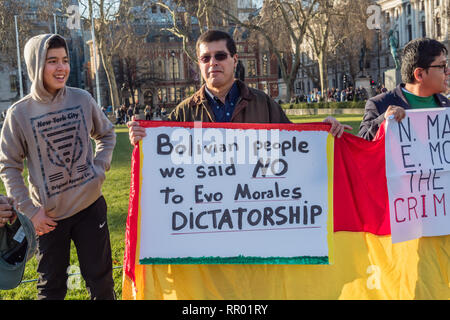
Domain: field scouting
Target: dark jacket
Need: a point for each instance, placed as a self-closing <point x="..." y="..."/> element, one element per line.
<point x="254" y="106"/>
<point x="376" y="107"/>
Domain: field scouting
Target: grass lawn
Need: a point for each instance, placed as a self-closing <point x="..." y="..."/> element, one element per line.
<point x="351" y="119"/>
<point x="116" y="190"/>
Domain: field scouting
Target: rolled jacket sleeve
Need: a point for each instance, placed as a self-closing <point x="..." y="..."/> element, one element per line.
<point x="371" y="122"/>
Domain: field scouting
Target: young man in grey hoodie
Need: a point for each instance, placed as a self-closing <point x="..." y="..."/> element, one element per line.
<point x="52" y="129"/>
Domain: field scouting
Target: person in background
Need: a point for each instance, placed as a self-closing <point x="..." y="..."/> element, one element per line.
<point x="118" y="116"/>
<point x="148" y="112"/>
<point x="130" y="112"/>
<point x="425" y="76"/>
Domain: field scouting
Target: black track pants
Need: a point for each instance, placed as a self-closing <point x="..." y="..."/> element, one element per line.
<point x="89" y="231"/>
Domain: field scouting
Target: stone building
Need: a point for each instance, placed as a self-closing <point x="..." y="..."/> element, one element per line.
<point x="408" y="20"/>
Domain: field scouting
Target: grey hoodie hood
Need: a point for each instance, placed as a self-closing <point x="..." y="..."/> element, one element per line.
<point x="35" y="52"/>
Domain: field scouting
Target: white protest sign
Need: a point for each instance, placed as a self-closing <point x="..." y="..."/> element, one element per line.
<point x="418" y="174"/>
<point x="216" y="195"/>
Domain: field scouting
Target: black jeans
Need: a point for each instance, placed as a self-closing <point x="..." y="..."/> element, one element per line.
<point x="89" y="231"/>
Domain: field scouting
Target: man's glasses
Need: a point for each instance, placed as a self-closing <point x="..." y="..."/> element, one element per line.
<point x="220" y="56"/>
<point x="442" y="66"/>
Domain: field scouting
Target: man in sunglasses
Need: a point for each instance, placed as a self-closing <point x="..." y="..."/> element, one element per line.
<point x="224" y="98"/>
<point x="426" y="75"/>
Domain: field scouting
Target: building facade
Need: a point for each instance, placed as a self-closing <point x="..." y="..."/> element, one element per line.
<point x="164" y="75"/>
<point x="408" y="20"/>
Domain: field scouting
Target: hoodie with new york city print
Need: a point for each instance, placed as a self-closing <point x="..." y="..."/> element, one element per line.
<point x="53" y="133"/>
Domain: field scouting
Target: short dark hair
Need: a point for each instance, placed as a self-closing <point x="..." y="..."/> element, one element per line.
<point x="420" y="53"/>
<point x="217" y="35"/>
<point x="56" y="42"/>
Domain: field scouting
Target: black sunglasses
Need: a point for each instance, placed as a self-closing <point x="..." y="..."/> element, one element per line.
<point x="220" y="56"/>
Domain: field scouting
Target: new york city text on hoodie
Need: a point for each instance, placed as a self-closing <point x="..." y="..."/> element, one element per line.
<point x="54" y="135"/>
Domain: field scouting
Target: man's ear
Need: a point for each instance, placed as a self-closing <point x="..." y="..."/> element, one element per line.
<point x="235" y="57"/>
<point x="418" y="74"/>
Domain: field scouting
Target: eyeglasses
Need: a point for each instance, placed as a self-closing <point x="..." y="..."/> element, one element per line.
<point x="220" y="56"/>
<point x="443" y="66"/>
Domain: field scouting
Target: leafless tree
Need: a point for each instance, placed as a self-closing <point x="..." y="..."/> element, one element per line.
<point x="349" y="31"/>
<point x="283" y="25"/>
<point x="104" y="22"/>
<point x="338" y="29"/>
<point x="203" y="12"/>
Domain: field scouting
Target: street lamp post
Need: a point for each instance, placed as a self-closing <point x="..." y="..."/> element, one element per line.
<point x="172" y="53"/>
<point x="54" y="23"/>
<point x="19" y="63"/>
<point x="265" y="71"/>
<point x="378" y="51"/>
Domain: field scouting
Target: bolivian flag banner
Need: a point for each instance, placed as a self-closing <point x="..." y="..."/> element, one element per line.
<point x="249" y="211"/>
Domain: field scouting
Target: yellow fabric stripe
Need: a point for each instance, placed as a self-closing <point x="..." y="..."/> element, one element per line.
<point x="365" y="266"/>
<point x="330" y="227"/>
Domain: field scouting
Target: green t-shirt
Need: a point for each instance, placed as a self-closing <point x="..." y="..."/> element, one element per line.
<point x="417" y="102"/>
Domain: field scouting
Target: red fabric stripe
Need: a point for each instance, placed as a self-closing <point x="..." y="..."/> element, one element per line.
<point x="132" y="219"/>
<point x="360" y="188"/>
<point x="313" y="126"/>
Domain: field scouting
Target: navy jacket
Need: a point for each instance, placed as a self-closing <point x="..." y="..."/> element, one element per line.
<point x="376" y="106"/>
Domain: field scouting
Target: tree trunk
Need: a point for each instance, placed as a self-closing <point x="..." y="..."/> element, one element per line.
<point x="110" y="75"/>
<point x="130" y="80"/>
<point x="323" y="75"/>
<point x="353" y="72"/>
<point x="289" y="90"/>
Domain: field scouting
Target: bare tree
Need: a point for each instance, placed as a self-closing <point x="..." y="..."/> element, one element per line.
<point x="205" y="14"/>
<point x="338" y="26"/>
<point x="104" y="22"/>
<point x="349" y="31"/>
<point x="318" y="37"/>
<point x="188" y="18"/>
<point x="8" y="53"/>
<point x="283" y="25"/>
<point x="181" y="26"/>
<point x="115" y="33"/>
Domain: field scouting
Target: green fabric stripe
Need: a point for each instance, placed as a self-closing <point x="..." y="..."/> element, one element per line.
<point x="237" y="260"/>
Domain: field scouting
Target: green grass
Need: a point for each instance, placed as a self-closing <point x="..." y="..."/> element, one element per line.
<point x="351" y="119"/>
<point x="116" y="191"/>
